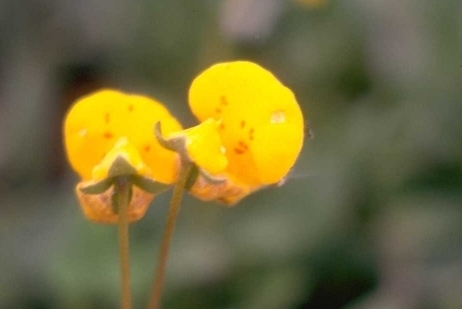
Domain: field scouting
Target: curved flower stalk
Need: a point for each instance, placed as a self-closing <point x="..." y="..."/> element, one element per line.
<point x="108" y="135"/>
<point x="252" y="126"/>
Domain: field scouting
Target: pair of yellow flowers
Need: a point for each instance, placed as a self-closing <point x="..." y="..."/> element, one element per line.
<point x="250" y="134"/>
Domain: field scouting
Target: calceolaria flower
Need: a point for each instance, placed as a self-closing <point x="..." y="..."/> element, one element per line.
<point x="253" y="127"/>
<point x="109" y="134"/>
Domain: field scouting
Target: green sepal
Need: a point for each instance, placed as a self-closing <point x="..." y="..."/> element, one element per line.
<point x="197" y="171"/>
<point x="177" y="143"/>
<point x="121" y="167"/>
<point x="98" y="187"/>
<point x="160" y="138"/>
<point x="149" y="185"/>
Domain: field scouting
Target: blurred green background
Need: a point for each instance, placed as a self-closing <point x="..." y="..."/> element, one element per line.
<point x="370" y="217"/>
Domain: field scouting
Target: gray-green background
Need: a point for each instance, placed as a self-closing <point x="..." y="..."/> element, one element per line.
<point x="370" y="217"/>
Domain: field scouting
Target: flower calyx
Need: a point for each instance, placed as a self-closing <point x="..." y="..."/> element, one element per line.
<point x="122" y="166"/>
<point x="200" y="147"/>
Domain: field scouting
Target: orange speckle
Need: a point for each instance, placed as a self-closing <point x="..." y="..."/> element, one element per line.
<point x="147" y="148"/>
<point x="222" y="126"/>
<point x="130" y="108"/>
<point x="243" y="145"/>
<point x="242" y="124"/>
<point x="107" y="117"/>
<point x="251" y="133"/>
<point x="223" y="100"/>
<point x="218" y="110"/>
<point x="108" y="135"/>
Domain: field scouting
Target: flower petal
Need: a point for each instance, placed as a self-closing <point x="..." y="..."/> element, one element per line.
<point x="203" y="146"/>
<point x="97" y="121"/>
<point x="125" y="150"/>
<point x="262" y="126"/>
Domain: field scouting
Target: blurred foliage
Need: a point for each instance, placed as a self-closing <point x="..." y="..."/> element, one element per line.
<point x="370" y="216"/>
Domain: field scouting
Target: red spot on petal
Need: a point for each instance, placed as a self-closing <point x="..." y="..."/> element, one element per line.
<point x="251" y="131"/>
<point x="223" y="100"/>
<point x="243" y="145"/>
<point x="147" y="148"/>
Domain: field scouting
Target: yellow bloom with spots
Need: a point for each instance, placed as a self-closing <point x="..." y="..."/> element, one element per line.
<point x="107" y="126"/>
<point x="260" y="124"/>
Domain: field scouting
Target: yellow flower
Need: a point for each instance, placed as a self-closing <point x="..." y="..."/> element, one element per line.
<point x="110" y="126"/>
<point x="260" y="125"/>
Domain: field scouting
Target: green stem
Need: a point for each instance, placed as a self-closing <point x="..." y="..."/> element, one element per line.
<point x="173" y="212"/>
<point x="122" y="188"/>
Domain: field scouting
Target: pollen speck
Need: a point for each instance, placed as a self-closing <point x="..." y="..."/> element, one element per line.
<point x="278" y="117"/>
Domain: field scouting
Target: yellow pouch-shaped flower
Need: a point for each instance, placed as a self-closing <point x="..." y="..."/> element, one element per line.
<point x="96" y="122"/>
<point x="261" y="124"/>
<point x="109" y="134"/>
